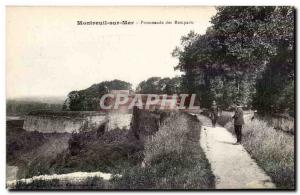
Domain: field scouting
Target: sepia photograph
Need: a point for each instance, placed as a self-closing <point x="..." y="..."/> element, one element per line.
<point x="150" y="98"/>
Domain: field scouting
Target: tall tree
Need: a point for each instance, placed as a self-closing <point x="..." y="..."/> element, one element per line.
<point x="225" y="62"/>
<point x="88" y="99"/>
<point x="158" y="85"/>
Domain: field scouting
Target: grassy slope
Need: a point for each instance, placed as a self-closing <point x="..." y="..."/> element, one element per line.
<point x="273" y="150"/>
<point x="91" y="151"/>
<point x="173" y="159"/>
<point x="25" y="148"/>
<point x="178" y="163"/>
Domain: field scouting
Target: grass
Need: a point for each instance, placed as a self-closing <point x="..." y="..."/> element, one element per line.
<point x="172" y="171"/>
<point x="279" y="122"/>
<point x="170" y="158"/>
<point x="224" y="118"/>
<point x="23" y="148"/>
<point x="284" y="123"/>
<point x="38" y="153"/>
<point x="19" y="141"/>
<point x="90" y="151"/>
<point x="173" y="159"/>
<point x="273" y="150"/>
<point x="38" y="185"/>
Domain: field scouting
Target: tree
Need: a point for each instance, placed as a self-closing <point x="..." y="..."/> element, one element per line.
<point x="88" y="99"/>
<point x="260" y="40"/>
<point x="149" y="86"/>
<point x="242" y="43"/>
<point x="158" y="85"/>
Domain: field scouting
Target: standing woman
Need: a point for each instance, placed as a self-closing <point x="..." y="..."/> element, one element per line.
<point x="214" y="113"/>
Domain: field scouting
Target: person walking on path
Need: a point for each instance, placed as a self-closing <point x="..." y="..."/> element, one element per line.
<point x="214" y="113"/>
<point x="238" y="122"/>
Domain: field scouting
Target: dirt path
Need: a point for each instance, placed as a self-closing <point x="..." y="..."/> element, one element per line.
<point x="231" y="164"/>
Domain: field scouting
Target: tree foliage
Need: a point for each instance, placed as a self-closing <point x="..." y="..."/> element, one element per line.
<point x="88" y="99"/>
<point x="158" y="85"/>
<point x="237" y="58"/>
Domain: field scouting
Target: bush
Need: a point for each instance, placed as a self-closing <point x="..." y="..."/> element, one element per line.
<point x="19" y="141"/>
<point x="170" y="138"/>
<point x="38" y="185"/>
<point x="90" y="151"/>
<point x="90" y="183"/>
<point x="224" y="119"/>
<point x="32" y="152"/>
<point x="173" y="156"/>
<point x="145" y="122"/>
<point x="173" y="159"/>
<point x="170" y="171"/>
<point x="280" y="122"/>
<point x="273" y="150"/>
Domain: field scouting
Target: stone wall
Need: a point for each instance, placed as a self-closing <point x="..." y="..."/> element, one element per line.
<point x="49" y="122"/>
<point x="60" y="122"/>
<point x="118" y="120"/>
<point x="146" y="122"/>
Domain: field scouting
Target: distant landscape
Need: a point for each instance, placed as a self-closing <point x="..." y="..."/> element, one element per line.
<point x="22" y="106"/>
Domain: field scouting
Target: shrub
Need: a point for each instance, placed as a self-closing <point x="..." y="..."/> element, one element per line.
<point x="32" y="151"/>
<point x="170" y="138"/>
<point x="173" y="158"/>
<point x="272" y="149"/>
<point x="90" y="151"/>
<point x="20" y="141"/>
<point x="145" y="122"/>
<point x="38" y="185"/>
<point x="224" y="119"/>
<point x="169" y="171"/>
<point x="174" y="154"/>
<point x="280" y="122"/>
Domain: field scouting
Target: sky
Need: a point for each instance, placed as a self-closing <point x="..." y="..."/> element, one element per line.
<point x="48" y="54"/>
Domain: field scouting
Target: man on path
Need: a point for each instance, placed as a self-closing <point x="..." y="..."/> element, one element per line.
<point x="214" y="113"/>
<point x="238" y="122"/>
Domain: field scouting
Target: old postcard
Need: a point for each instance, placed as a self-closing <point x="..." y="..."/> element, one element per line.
<point x="150" y="98"/>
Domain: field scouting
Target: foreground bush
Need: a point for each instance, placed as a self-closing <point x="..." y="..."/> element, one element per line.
<point x="27" y="149"/>
<point x="224" y="119"/>
<point x="272" y="149"/>
<point x="285" y="123"/>
<point x="173" y="159"/>
<point x="176" y="135"/>
<point x="38" y="185"/>
<point x="92" y="151"/>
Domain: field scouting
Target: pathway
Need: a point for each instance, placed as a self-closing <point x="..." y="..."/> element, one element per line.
<point x="231" y="164"/>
